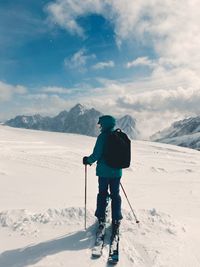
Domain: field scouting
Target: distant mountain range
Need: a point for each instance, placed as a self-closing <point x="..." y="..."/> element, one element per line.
<point x="78" y="120"/>
<point x="184" y="133"/>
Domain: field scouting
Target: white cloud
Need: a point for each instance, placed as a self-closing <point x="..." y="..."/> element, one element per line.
<point x="45" y="104"/>
<point x="79" y="60"/>
<point x="171" y="28"/>
<point x="141" y="61"/>
<point x="62" y="14"/>
<point x="55" y="90"/>
<point x="30" y="104"/>
<point x="174" y="100"/>
<point x="7" y="91"/>
<point x="103" y="65"/>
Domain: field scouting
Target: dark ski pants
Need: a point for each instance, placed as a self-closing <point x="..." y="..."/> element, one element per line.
<point x="113" y="184"/>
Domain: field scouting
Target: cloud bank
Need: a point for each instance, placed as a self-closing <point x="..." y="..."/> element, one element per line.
<point x="153" y="108"/>
<point x="7" y="91"/>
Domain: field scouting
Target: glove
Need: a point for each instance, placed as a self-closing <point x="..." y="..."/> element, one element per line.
<point x="85" y="161"/>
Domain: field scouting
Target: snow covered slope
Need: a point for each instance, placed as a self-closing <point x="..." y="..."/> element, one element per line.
<point x="42" y="200"/>
<point x="184" y="133"/>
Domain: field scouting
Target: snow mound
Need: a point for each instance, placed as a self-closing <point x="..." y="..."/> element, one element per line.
<point x="27" y="222"/>
<point x="149" y="219"/>
<point x="156" y="239"/>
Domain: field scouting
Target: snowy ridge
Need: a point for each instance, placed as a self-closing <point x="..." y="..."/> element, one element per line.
<point x="18" y="220"/>
<point x="190" y="140"/>
<point x="184" y="133"/>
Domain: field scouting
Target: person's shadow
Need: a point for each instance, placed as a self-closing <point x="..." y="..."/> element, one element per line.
<point x="34" y="253"/>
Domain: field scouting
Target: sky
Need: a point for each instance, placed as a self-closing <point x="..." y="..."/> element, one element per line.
<point x="121" y="57"/>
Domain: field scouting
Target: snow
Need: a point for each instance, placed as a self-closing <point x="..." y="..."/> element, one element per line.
<point x="182" y="133"/>
<point x="190" y="140"/>
<point x="42" y="203"/>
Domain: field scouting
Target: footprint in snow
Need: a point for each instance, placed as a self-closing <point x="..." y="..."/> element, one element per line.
<point x="158" y="169"/>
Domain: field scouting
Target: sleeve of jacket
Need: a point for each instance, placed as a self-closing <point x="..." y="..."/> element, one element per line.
<point x="98" y="150"/>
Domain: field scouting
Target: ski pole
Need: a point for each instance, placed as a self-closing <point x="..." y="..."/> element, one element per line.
<point x="85" y="195"/>
<point x="136" y="220"/>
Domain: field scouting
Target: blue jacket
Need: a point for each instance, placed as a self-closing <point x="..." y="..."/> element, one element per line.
<point x="103" y="170"/>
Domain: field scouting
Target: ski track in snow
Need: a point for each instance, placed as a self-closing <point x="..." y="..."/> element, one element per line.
<point x="39" y="174"/>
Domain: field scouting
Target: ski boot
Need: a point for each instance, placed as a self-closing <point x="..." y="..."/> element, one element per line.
<point x="115" y="228"/>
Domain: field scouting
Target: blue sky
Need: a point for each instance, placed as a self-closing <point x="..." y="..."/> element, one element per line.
<point x="117" y="56"/>
<point x="35" y="52"/>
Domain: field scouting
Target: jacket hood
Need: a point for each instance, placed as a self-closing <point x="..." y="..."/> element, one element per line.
<point x="107" y="122"/>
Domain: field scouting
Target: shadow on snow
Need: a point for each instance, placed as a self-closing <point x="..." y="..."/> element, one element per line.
<point x="32" y="254"/>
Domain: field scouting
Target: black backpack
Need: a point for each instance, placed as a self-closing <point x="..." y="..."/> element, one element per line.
<point x="117" y="150"/>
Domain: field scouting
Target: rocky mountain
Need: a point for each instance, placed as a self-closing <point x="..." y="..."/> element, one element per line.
<point x="183" y="133"/>
<point x="36" y="122"/>
<point x="82" y="121"/>
<point x="78" y="120"/>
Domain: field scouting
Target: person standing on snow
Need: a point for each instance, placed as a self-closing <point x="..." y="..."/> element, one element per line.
<point x="109" y="178"/>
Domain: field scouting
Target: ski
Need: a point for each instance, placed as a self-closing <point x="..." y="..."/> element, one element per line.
<point x="99" y="242"/>
<point x="113" y="257"/>
<point x="100" y="234"/>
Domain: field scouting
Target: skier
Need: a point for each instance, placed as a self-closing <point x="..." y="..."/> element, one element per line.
<point x="108" y="177"/>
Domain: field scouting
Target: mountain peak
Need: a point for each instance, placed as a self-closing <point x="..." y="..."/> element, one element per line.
<point x="128" y="119"/>
<point x="78" y="109"/>
<point x="128" y="125"/>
